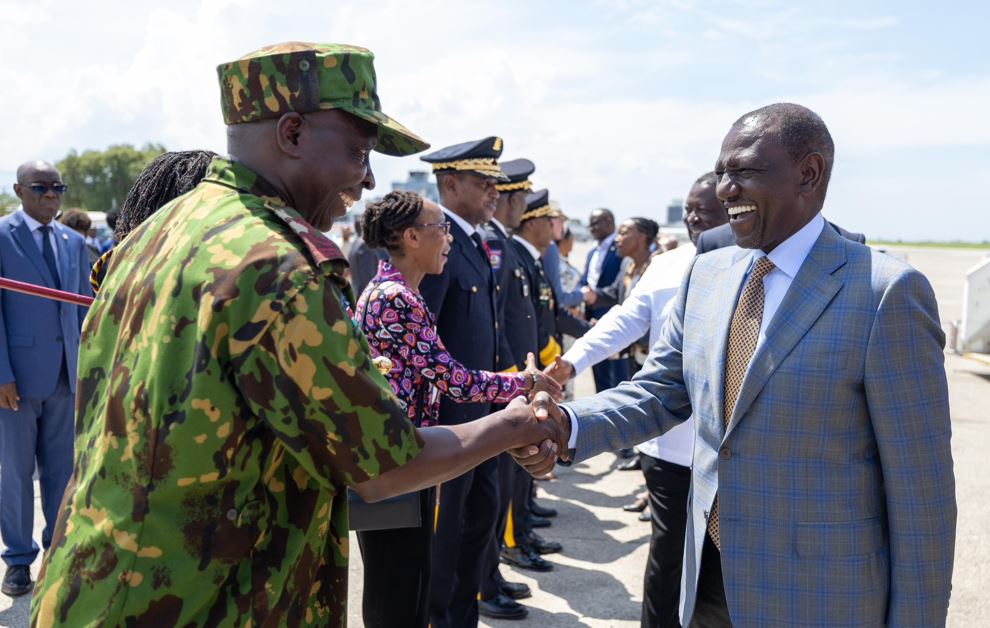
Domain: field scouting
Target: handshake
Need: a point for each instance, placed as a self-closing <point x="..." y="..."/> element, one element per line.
<point x="547" y="429"/>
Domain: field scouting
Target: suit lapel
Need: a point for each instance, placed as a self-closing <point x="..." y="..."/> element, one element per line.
<point x="63" y="262"/>
<point x="22" y="233"/>
<point x="724" y="304"/>
<point x="470" y="251"/>
<point x="809" y="295"/>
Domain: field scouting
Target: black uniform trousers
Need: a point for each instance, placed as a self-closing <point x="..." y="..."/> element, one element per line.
<point x="466" y="524"/>
<point x="668" y="485"/>
<point x="397" y="565"/>
<point x="490" y="577"/>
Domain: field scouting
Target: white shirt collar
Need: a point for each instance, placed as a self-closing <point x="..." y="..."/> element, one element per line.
<point x="33" y="224"/>
<point x="460" y="222"/>
<point x="607" y="242"/>
<point x="500" y="227"/>
<point x="789" y="255"/>
<point x="535" y="252"/>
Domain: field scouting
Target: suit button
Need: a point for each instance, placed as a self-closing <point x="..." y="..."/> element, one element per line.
<point x="498" y="288"/>
<point x="724" y="453"/>
<point x="474" y="288"/>
<point x="496" y="324"/>
<point x="232" y="515"/>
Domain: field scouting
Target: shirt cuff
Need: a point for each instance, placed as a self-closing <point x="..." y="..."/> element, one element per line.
<point x="572" y="441"/>
<point x="577" y="357"/>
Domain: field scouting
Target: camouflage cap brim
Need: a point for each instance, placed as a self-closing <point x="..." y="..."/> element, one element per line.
<point x="393" y="138"/>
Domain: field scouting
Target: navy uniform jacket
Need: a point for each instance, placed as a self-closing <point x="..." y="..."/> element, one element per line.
<point x="463" y="299"/>
<point x="552" y="319"/>
<point x="502" y="258"/>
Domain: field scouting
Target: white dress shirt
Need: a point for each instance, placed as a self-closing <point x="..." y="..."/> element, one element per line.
<point x="35" y="228"/>
<point x="500" y="227"/>
<point x="597" y="259"/>
<point x="787" y="257"/>
<point x="645" y="309"/>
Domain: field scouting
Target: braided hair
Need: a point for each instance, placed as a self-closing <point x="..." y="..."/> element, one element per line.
<point x="384" y="221"/>
<point x="646" y="226"/>
<point x="167" y="177"/>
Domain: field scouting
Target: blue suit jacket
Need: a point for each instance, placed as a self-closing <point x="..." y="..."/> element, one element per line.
<point x="34" y="331"/>
<point x="610" y="270"/>
<point x="834" y="476"/>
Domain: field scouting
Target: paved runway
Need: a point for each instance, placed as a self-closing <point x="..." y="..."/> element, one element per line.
<point x="598" y="578"/>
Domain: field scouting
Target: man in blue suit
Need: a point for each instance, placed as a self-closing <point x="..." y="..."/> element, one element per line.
<point x="822" y="490"/>
<point x="600" y="270"/>
<point x="39" y="343"/>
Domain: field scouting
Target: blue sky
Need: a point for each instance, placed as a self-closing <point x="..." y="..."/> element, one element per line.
<point x="620" y="103"/>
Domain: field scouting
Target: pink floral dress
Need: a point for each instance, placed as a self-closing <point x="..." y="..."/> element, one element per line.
<point x="400" y="327"/>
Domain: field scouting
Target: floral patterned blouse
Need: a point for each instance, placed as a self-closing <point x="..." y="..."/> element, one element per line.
<point x="400" y="327"/>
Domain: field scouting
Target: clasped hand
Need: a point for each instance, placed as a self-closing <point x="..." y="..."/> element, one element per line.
<point x="540" y="457"/>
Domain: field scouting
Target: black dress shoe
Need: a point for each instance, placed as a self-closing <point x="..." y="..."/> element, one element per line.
<point x="627" y="452"/>
<point x="524" y="558"/>
<point x="515" y="590"/>
<point x="502" y="607"/>
<point x="542" y="511"/>
<point x="645" y="516"/>
<point x="630" y="465"/>
<point x="17" y="581"/>
<point x="538" y="522"/>
<point x="543" y="546"/>
<point x="636" y="506"/>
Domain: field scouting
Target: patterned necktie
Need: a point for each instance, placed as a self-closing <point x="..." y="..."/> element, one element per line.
<point x="743" y="334"/>
<point x="49" y="254"/>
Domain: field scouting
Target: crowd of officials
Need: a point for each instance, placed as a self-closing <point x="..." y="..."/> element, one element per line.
<point x="234" y="375"/>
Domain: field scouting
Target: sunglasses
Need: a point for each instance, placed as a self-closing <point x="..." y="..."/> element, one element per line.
<point x="443" y="226"/>
<point x="42" y="188"/>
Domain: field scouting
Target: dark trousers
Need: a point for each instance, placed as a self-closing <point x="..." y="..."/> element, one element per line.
<point x="608" y="373"/>
<point x="397" y="572"/>
<point x="39" y="432"/>
<point x="710" y="608"/>
<point x="668" y="485"/>
<point x="491" y="579"/>
<point x="465" y="526"/>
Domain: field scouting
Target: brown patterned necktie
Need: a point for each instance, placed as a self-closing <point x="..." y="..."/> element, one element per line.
<point x="743" y="334"/>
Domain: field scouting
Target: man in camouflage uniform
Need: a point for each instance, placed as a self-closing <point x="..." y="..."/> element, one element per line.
<point x="225" y="397"/>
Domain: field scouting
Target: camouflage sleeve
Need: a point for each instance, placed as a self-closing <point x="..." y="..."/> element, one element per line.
<point x="309" y="376"/>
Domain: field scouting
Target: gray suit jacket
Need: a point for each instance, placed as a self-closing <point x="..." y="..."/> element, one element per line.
<point x="834" y="476"/>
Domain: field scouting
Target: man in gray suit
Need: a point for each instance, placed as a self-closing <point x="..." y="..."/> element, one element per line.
<point x="822" y="486"/>
<point x="39" y="343"/>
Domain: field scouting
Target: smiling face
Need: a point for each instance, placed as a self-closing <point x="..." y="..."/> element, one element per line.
<point x="42" y="207"/>
<point x="765" y="191"/>
<point x="630" y="240"/>
<point x="332" y="168"/>
<point x="601" y="224"/>
<point x="432" y="241"/>
<point x="702" y="210"/>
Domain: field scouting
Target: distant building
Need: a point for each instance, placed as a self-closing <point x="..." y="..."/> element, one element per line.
<point x="418" y="182"/>
<point x="675" y="212"/>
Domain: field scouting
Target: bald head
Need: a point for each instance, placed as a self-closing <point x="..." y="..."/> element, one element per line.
<point x="29" y="169"/>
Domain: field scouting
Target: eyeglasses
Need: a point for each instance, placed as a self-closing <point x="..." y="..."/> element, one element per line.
<point x="42" y="188"/>
<point x="443" y="226"/>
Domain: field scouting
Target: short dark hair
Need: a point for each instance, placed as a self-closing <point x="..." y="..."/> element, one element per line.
<point x="649" y="227"/>
<point x="800" y="132"/>
<point x="167" y="177"/>
<point x="709" y="178"/>
<point x="76" y="219"/>
<point x="384" y="221"/>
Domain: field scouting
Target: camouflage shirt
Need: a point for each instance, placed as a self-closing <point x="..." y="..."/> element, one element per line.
<point x="225" y="400"/>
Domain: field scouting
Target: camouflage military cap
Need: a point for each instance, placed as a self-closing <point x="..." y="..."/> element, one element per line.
<point x="305" y="77"/>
